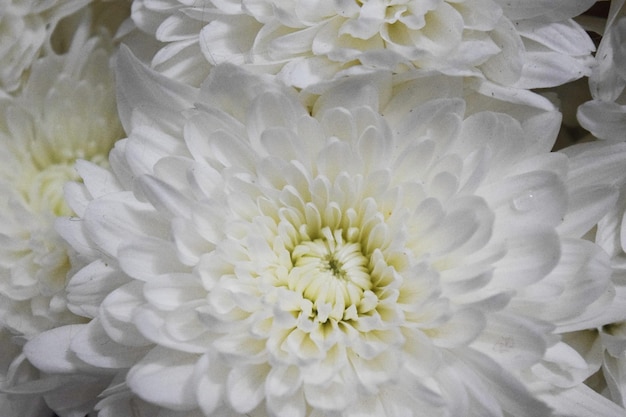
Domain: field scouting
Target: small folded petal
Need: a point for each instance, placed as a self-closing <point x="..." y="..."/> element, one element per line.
<point x="246" y="387"/>
<point x="605" y="120"/>
<point x="165" y="377"/>
<point x="94" y="346"/>
<point x="50" y="351"/>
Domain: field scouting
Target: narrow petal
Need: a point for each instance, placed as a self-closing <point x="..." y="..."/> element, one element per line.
<point x="581" y="401"/>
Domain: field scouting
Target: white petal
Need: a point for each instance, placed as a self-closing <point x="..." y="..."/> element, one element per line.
<point x="585" y="208"/>
<point x="50" y="351"/>
<point x="517" y="200"/>
<point x="605" y="120"/>
<point x="283" y="381"/>
<point x="109" y="230"/>
<point x="287" y="406"/>
<point x="99" y="181"/>
<point x="506" y="67"/>
<point x="580" y="278"/>
<point x="90" y="285"/>
<point x="548" y="69"/>
<point x="461" y="330"/>
<point x="165" y="197"/>
<point x="369" y="90"/>
<point x="514" y="341"/>
<point x="137" y="85"/>
<point x="145" y="259"/>
<point x="550" y="9"/>
<point x="513" y="397"/>
<point x="566" y="37"/>
<point x="95" y="347"/>
<point x="210" y="377"/>
<point x="581" y="401"/>
<point x="165" y="377"/>
<point x="228" y="39"/>
<point x="528" y="259"/>
<point x="117" y="312"/>
<point x="334" y="395"/>
<point x="171" y="291"/>
<point x="246" y="386"/>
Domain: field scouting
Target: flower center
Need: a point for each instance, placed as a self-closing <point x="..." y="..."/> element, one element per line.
<point x="44" y="189"/>
<point x="330" y="272"/>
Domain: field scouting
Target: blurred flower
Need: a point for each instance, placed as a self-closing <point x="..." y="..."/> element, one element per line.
<point x="25" y="29"/>
<point x="526" y="44"/>
<point x="402" y="249"/>
<point x="66" y="111"/>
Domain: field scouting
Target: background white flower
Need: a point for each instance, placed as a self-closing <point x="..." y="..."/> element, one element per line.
<point x="398" y="251"/>
<point x="65" y="111"/>
<point x="527" y="44"/>
<point x="25" y="30"/>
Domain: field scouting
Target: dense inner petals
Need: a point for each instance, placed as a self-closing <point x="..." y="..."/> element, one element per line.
<point x="336" y="253"/>
<point x="331" y="273"/>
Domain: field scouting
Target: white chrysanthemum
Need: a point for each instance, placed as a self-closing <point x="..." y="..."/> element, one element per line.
<point x="396" y="252"/>
<point x="527" y="44"/>
<point x="605" y="115"/>
<point x="65" y="112"/>
<point x="25" y="27"/>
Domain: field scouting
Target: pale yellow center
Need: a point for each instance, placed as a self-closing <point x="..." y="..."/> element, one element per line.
<point x="330" y="272"/>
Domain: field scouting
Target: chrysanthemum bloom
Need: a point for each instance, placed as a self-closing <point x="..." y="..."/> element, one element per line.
<point x="66" y="111"/>
<point x="527" y="44"/>
<point x="605" y="115"/>
<point x="398" y="251"/>
<point x="25" y="28"/>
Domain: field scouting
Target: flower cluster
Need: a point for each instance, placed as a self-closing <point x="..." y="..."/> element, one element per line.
<point x="340" y="208"/>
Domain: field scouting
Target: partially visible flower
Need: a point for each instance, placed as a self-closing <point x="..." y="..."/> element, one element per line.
<point x="66" y="111"/>
<point x="606" y="339"/>
<point x="25" y="28"/>
<point x="605" y="115"/>
<point x="404" y="249"/>
<point x="526" y="44"/>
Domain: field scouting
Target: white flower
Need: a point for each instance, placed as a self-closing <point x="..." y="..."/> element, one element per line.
<point x="25" y="29"/>
<point x="65" y="112"/>
<point x="399" y="251"/>
<point x="605" y="115"/>
<point x="526" y="44"/>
